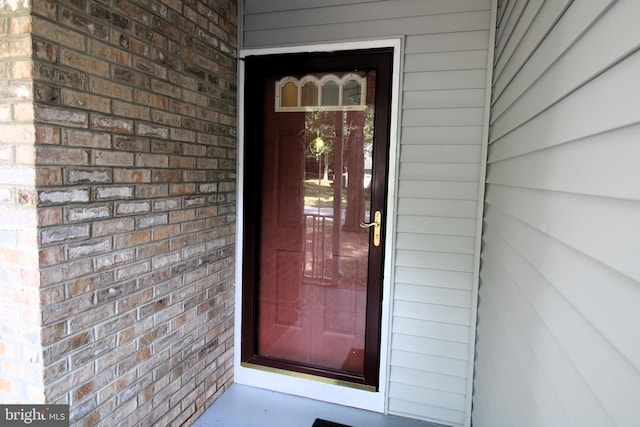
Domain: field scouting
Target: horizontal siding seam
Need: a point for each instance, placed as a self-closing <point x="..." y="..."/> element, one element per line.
<point x="557" y="240"/>
<point x="436" y="269"/>
<point x="426" y="109"/>
<point x="447" y="70"/>
<point x="569" y="141"/>
<point x="501" y="41"/>
<point x="430" y="371"/>
<point x="541" y="320"/>
<point x="415" y="400"/>
<point x="447" y="51"/>
<point x="450" y="144"/>
<point x="419" y="251"/>
<point x="434" y="388"/>
<point x="411" y="52"/>
<point x="300" y="5"/>
<point x="352" y="21"/>
<point x="379" y="22"/>
<point x="501" y="67"/>
<point x="431" y="180"/>
<point x="505" y="12"/>
<point x="436" y="234"/>
<point x="437" y="252"/>
<point x="466" y="307"/>
<point x="413" y="196"/>
<point x="442" y="126"/>
<point x="567" y="94"/>
<point x="531" y="53"/>
<point x="549" y="190"/>
<point x="435" y="286"/>
<point x="488" y="296"/>
<point x="444" y="422"/>
<point x="397" y="316"/>
<point x="562" y="243"/>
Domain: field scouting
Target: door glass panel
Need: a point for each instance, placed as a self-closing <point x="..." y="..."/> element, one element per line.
<point x="309" y="94"/>
<point x="351" y="93"/>
<point x="330" y="93"/>
<point x="314" y="255"/>
<point x="289" y="96"/>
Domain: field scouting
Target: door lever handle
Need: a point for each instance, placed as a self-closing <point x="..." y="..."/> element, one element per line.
<point x="376" y="224"/>
<point x="368" y="224"/>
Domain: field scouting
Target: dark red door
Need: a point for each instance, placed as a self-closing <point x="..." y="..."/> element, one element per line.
<point x="315" y="177"/>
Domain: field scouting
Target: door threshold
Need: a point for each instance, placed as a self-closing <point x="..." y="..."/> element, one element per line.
<point x="309" y="377"/>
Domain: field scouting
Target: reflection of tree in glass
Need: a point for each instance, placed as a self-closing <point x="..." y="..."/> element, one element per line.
<point x="318" y="147"/>
<point x="318" y="136"/>
<point x="351" y="133"/>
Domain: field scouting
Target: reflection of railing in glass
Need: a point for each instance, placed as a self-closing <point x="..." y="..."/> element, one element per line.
<point x="315" y="239"/>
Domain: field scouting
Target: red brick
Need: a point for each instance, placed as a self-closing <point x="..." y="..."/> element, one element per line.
<point x="111" y="89"/>
<point x="132" y="239"/>
<point x="128" y="143"/>
<point x="47" y="155"/>
<point x="131" y="175"/>
<point x="113" y="158"/>
<point x="44" y="50"/>
<point x="85" y="101"/>
<point x="47" y="135"/>
<point x="45" y="8"/>
<point x="84" y="24"/>
<point x="151" y="99"/>
<point x="58" y="34"/>
<point x="48" y="176"/>
<point x="127" y="109"/>
<point x="110" y="53"/>
<point x="80" y="138"/>
<point x="49" y="216"/>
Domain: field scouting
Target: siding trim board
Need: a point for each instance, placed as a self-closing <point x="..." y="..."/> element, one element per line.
<point x="481" y="206"/>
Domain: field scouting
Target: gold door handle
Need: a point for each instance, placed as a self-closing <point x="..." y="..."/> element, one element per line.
<point x="376" y="224"/>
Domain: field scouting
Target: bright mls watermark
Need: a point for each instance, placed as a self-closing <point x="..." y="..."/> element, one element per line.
<point x="34" y="415"/>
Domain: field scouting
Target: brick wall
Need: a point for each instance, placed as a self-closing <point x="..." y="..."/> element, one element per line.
<point x="20" y="350"/>
<point x="135" y="124"/>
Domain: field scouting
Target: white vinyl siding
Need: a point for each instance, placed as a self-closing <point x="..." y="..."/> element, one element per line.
<point x="558" y="340"/>
<point x="440" y="172"/>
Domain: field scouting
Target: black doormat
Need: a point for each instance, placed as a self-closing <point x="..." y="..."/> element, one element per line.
<point x="319" y="422"/>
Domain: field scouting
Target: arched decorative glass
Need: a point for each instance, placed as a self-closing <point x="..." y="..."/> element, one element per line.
<point x="351" y="92"/>
<point x="289" y="94"/>
<point x="331" y="92"/>
<point x="309" y="94"/>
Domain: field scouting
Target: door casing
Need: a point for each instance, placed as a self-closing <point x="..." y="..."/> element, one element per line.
<point x="301" y="385"/>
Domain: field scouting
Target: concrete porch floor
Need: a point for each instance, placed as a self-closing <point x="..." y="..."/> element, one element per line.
<point x="243" y="406"/>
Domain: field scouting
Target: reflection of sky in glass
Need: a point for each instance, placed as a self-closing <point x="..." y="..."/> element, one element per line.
<point x="351" y="93"/>
<point x="330" y="93"/>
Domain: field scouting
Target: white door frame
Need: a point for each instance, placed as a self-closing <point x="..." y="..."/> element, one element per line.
<point x="300" y="385"/>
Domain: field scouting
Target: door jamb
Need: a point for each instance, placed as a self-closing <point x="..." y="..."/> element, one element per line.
<point x="374" y="401"/>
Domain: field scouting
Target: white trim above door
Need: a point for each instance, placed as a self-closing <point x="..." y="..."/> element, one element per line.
<point x="302" y="385"/>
